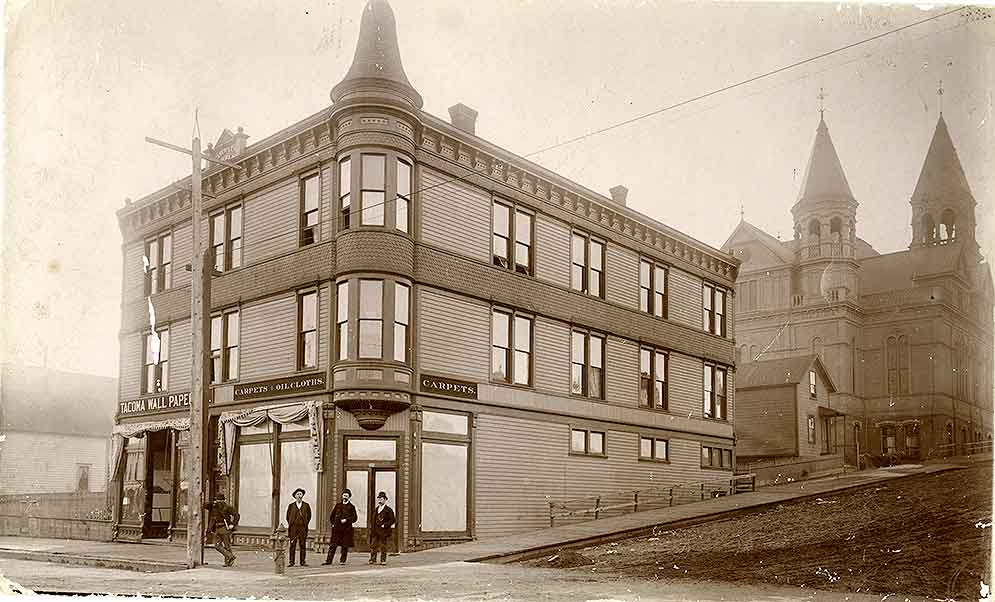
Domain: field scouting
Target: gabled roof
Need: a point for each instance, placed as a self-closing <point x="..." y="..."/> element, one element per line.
<point x="41" y="400"/>
<point x="942" y="176"/>
<point x="824" y="177"/>
<point x="900" y="270"/>
<point x="747" y="231"/>
<point x="779" y="372"/>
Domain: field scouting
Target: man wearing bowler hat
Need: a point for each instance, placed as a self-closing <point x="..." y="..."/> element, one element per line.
<point x="298" y="518"/>
<point x="343" y="516"/>
<point x="383" y="523"/>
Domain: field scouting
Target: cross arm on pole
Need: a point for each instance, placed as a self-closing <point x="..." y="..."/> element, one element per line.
<point x="180" y="149"/>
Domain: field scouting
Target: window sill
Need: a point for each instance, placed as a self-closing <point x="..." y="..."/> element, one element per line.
<point x="720" y="420"/>
<point x="503" y="383"/>
<point x="585" y="455"/>
<point x="656" y="409"/>
<point x="654" y="460"/>
<point x="586" y="397"/>
<point x="718" y="468"/>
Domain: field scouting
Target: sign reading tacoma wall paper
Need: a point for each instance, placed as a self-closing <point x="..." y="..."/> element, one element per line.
<point x="304" y="383"/>
<point x="448" y="386"/>
<point x="154" y="405"/>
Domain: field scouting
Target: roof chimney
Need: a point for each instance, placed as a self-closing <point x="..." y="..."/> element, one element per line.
<point x="463" y="118"/>
<point x="619" y="193"/>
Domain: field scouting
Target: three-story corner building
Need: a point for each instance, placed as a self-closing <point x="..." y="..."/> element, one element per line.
<point x="405" y="307"/>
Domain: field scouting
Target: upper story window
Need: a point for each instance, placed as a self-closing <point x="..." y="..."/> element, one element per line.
<point x="714" y="386"/>
<point x="652" y="288"/>
<point x="716" y="457"/>
<point x="713" y="302"/>
<point x="345" y="188"/>
<point x="652" y="378"/>
<point x="226" y="238"/>
<point x="811" y="383"/>
<point x="587" y="374"/>
<point x="402" y="302"/>
<point x="811" y="429"/>
<point x="511" y="347"/>
<point x="512" y="238"/>
<point x="370" y="319"/>
<point x="654" y="449"/>
<point x="372" y="189"/>
<point x="159" y="263"/>
<point x="307" y="330"/>
<point x="342" y="319"/>
<point x="224" y="346"/>
<point x="310" y="201"/>
<point x="403" y="200"/>
<point x="587" y="273"/>
<point x="155" y="376"/>
<point x="590" y="443"/>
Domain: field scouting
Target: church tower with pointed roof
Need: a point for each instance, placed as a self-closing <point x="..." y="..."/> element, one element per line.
<point x="942" y="203"/>
<point x="825" y="216"/>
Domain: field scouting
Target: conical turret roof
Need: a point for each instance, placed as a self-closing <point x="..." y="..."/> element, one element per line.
<point x="824" y="177"/>
<point x="376" y="66"/>
<point x="942" y="176"/>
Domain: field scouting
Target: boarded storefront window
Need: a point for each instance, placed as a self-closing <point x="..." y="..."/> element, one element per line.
<point x="297" y="470"/>
<point x="444" y="487"/>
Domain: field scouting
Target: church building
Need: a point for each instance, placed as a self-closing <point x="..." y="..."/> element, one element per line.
<point x="905" y="338"/>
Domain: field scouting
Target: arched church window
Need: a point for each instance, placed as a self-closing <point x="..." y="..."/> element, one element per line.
<point x="928" y="232"/>
<point x="836" y="226"/>
<point x="948" y="225"/>
<point x="891" y="359"/>
<point x="814" y="228"/>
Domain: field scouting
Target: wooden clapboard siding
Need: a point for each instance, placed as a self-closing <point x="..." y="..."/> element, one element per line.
<point x="552" y="251"/>
<point x="268" y="345"/>
<point x="552" y="356"/>
<point x="765" y="423"/>
<point x="328" y="213"/>
<point x="134" y="271"/>
<point x="622" y="372"/>
<point x="453" y="335"/>
<point x="131" y="362"/>
<point x="622" y="276"/>
<point x="180" y="356"/>
<point x="324" y="325"/>
<point x="519" y="462"/>
<point x="685" y="388"/>
<point x="455" y="216"/>
<point x="47" y="462"/>
<point x="182" y="254"/>
<point x="270" y="222"/>
<point x="685" y="298"/>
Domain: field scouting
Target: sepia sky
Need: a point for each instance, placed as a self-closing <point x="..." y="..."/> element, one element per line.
<point x="86" y="82"/>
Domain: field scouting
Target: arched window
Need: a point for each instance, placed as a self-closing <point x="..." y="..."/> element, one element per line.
<point x="948" y="225"/>
<point x="928" y="232"/>
<point x="814" y="228"/>
<point x="891" y="358"/>
<point x="836" y="226"/>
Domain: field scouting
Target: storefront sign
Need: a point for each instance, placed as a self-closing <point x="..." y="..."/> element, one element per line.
<point x="281" y="386"/>
<point x="154" y="405"/>
<point x="448" y="386"/>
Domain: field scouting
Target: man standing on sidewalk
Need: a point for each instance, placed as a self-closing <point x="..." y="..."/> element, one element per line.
<point x="222" y="522"/>
<point x="342" y="518"/>
<point x="383" y="523"/>
<point x="298" y="517"/>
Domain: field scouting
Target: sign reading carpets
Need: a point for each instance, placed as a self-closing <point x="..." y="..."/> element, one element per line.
<point x="154" y="405"/>
<point x="304" y="383"/>
<point x="448" y="386"/>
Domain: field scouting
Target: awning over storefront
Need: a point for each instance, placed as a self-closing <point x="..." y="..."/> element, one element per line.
<point x="828" y="412"/>
<point x="281" y="414"/>
<point x="137" y="429"/>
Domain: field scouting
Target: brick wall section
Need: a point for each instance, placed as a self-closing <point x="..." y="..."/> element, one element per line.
<point x="444" y="270"/>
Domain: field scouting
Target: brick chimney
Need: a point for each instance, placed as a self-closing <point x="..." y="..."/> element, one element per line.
<point x="463" y="118"/>
<point x="619" y="193"/>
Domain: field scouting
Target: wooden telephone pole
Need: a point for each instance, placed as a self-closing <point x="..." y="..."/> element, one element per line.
<point x="202" y="268"/>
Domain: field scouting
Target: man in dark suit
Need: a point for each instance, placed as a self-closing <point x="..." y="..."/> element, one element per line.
<point x="383" y="523"/>
<point x="343" y="516"/>
<point x="298" y="518"/>
<point x="222" y="521"/>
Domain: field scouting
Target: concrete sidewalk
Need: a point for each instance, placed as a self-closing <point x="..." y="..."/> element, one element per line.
<point x="149" y="557"/>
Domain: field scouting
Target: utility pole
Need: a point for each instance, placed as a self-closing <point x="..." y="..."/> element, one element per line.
<point x="202" y="267"/>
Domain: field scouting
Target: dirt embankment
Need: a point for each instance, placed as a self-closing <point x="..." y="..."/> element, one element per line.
<point x="928" y="536"/>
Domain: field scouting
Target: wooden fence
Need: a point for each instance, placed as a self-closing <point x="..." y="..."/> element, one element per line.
<point x="624" y="502"/>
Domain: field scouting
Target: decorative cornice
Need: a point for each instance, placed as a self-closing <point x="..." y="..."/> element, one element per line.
<point x="507" y="169"/>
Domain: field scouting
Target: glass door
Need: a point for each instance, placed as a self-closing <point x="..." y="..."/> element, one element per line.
<point x="160" y="485"/>
<point x="370" y="467"/>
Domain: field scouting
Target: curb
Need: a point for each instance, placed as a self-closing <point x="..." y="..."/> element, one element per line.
<point x="141" y="566"/>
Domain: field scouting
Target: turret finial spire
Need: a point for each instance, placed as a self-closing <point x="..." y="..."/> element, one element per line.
<point x="939" y="92"/>
<point x="822" y="103"/>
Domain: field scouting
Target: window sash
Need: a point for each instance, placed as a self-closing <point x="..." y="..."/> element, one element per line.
<point x="307" y="330"/>
<point x="372" y="191"/>
<point x="345" y="189"/>
<point x="403" y="196"/>
<point x="402" y="297"/>
<point x="310" y="192"/>
<point x="501" y="346"/>
<point x="342" y="320"/>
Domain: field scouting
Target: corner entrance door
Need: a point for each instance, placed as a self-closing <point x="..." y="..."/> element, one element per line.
<point x="365" y="484"/>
